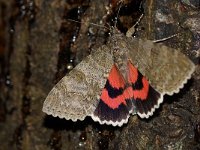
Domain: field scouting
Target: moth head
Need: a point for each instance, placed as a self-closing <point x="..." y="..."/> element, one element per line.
<point x="116" y="37"/>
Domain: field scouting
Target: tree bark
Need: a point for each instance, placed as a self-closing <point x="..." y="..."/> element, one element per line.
<point x="40" y="43"/>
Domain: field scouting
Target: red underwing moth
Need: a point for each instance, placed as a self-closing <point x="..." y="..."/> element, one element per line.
<point x="126" y="76"/>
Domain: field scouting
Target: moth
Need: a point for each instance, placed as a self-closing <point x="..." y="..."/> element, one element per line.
<point x="127" y="76"/>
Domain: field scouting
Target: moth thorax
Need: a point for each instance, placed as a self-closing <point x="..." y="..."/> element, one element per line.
<point x="120" y="59"/>
<point x="120" y="55"/>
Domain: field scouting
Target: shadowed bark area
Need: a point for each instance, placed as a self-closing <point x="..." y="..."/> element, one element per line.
<point x="39" y="44"/>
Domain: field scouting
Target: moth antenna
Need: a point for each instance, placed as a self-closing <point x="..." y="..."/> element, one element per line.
<point x="130" y="31"/>
<point x="120" y="6"/>
<point x="167" y="38"/>
<point x="94" y="24"/>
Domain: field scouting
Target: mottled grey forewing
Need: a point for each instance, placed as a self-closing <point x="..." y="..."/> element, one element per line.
<point x="166" y="69"/>
<point x="75" y="95"/>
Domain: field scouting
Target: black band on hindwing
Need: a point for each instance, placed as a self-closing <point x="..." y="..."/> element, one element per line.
<point x="113" y="92"/>
<point x="138" y="85"/>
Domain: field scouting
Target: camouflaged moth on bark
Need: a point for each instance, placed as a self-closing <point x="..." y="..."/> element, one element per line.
<point x="126" y="76"/>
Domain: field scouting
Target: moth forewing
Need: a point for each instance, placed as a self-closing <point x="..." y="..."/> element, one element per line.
<point x="167" y="69"/>
<point x="75" y="96"/>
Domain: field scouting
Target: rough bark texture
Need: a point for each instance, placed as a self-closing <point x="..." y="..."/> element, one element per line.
<point x="39" y="45"/>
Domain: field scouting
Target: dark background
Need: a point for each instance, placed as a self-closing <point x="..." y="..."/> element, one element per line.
<point x="39" y="45"/>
